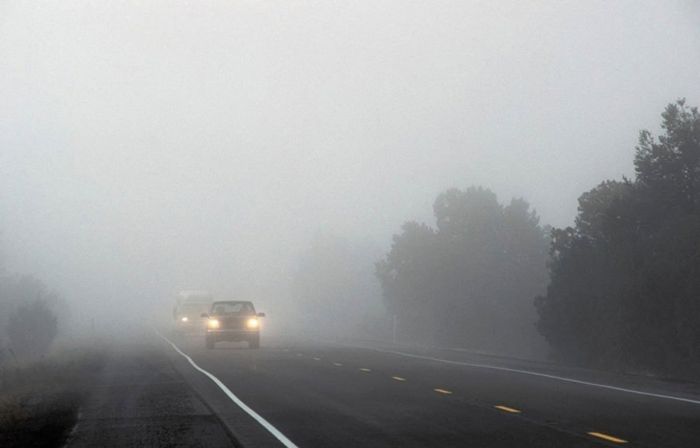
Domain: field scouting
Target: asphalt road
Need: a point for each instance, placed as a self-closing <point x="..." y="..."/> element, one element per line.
<point x="330" y="395"/>
<point x="139" y="400"/>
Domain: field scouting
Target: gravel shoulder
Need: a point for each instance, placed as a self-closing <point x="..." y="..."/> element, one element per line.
<point x="140" y="400"/>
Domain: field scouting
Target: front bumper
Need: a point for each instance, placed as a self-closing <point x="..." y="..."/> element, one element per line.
<point x="222" y="334"/>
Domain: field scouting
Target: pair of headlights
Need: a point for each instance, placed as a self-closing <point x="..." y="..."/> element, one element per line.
<point x="251" y="323"/>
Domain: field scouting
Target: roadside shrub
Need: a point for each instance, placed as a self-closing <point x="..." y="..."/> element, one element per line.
<point x="32" y="328"/>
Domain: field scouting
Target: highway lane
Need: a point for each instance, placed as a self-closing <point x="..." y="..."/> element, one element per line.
<point x="321" y="395"/>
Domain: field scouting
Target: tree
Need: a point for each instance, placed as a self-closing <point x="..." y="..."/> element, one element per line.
<point x="32" y="328"/>
<point x="669" y="168"/>
<point x="624" y="280"/>
<point x="29" y="318"/>
<point x="469" y="281"/>
<point x="407" y="276"/>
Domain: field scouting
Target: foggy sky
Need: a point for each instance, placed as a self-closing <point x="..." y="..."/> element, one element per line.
<point x="151" y="146"/>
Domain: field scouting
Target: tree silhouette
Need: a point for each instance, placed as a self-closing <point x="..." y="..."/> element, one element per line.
<point x="625" y="280"/>
<point x="470" y="281"/>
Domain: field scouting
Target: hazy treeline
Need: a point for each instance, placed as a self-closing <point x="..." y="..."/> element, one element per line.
<point x="625" y="279"/>
<point x="469" y="281"/>
<point x="29" y="315"/>
<point x="620" y="289"/>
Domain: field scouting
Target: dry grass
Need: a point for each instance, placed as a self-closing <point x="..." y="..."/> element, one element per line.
<point x="39" y="399"/>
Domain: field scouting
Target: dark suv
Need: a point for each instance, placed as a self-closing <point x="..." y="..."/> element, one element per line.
<point x="233" y="320"/>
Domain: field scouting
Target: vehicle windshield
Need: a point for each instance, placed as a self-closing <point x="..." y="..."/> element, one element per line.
<point x="232" y="308"/>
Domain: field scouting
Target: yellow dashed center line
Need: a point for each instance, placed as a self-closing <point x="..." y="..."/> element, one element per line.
<point x="337" y="364"/>
<point x="607" y="437"/>
<point x="507" y="409"/>
<point x="364" y="369"/>
<point x="443" y="391"/>
<point x="398" y="378"/>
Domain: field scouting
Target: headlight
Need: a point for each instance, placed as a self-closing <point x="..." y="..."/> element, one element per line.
<point x="213" y="323"/>
<point x="184" y="319"/>
<point x="252" y="323"/>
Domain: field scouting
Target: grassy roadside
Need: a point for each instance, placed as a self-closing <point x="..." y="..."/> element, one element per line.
<point x="40" y="399"/>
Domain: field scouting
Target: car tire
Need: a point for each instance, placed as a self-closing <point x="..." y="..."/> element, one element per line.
<point x="254" y="342"/>
<point x="210" y="343"/>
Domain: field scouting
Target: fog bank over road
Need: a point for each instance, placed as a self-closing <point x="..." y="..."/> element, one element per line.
<point x="149" y="148"/>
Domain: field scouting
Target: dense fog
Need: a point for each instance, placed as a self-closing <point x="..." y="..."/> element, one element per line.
<point x="269" y="151"/>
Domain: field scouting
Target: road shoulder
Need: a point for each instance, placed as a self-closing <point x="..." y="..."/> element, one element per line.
<point x="139" y="399"/>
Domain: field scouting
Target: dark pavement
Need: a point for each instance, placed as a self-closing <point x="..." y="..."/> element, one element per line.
<point x="140" y="400"/>
<point x="326" y="395"/>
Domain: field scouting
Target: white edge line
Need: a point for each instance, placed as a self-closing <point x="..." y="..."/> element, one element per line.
<point x="543" y="375"/>
<point x="265" y="424"/>
<point x="71" y="434"/>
